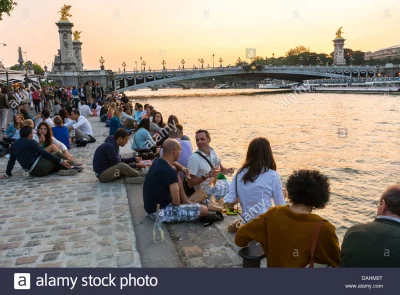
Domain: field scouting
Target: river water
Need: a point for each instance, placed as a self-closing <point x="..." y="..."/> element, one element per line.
<point x="353" y="139"/>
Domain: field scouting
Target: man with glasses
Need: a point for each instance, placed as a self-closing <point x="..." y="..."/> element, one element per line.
<point x="377" y="243"/>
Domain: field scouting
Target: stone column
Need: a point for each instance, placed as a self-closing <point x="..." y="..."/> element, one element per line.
<point x="77" y="46"/>
<point x="67" y="54"/>
<point x="338" y="53"/>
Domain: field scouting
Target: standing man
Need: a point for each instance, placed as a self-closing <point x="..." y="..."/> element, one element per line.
<point x="3" y="111"/>
<point x="89" y="93"/>
<point x="205" y="164"/>
<point x="377" y="243"/>
<point x="82" y="93"/>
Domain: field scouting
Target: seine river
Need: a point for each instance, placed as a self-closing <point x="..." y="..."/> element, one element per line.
<point x="353" y="139"/>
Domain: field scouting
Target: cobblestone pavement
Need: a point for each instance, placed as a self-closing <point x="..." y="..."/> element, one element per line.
<point x="59" y="221"/>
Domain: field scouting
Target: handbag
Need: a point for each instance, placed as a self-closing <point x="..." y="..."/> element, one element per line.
<point x="314" y="241"/>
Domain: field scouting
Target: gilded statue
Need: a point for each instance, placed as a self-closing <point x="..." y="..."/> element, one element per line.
<point x="65" y="12"/>
<point x="77" y="35"/>
<point x="339" y="33"/>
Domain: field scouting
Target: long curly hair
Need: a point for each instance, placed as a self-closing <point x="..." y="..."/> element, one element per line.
<point x="49" y="134"/>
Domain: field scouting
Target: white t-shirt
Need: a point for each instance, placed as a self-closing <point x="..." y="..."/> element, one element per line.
<point x="256" y="197"/>
<point x="84" y="110"/>
<point x="50" y="122"/>
<point x="198" y="166"/>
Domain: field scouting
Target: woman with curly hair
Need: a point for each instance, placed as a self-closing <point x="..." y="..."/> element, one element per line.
<point x="291" y="235"/>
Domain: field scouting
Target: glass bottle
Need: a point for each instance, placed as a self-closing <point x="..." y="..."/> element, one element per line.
<point x="213" y="180"/>
<point x="158" y="233"/>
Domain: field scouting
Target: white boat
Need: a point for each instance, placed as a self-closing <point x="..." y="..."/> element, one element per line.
<point x="269" y="86"/>
<point x="223" y="86"/>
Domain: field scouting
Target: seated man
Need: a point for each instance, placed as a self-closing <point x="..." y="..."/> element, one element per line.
<point x="187" y="150"/>
<point x="34" y="159"/>
<point x="93" y="107"/>
<point x="45" y="117"/>
<point x="84" y="109"/>
<point x="80" y="126"/>
<point x="163" y="186"/>
<point x="108" y="164"/>
<point x="377" y="243"/>
<point x="204" y="164"/>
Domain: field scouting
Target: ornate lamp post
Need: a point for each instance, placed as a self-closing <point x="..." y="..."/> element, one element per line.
<point x="135" y="66"/>
<point x="239" y="61"/>
<point x="149" y="69"/>
<point x="140" y="63"/>
<point x="119" y="71"/>
<point x="144" y="66"/>
<point x="183" y="63"/>
<point x="208" y="66"/>
<point x="253" y="67"/>
<point x="179" y="67"/>
<point x="102" y="61"/>
<point x="201" y="61"/>
<point x="163" y="63"/>
<point x="220" y="62"/>
<point x="124" y="65"/>
<point x="213" y="60"/>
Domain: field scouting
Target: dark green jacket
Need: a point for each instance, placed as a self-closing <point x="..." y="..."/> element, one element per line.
<point x="374" y="244"/>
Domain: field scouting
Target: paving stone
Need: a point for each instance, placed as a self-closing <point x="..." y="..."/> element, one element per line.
<point x="105" y="231"/>
<point x="79" y="262"/>
<point x="104" y="242"/>
<point x="64" y="226"/>
<point x="32" y="244"/>
<point x="41" y="236"/>
<point x="89" y="212"/>
<point x="7" y="263"/>
<point x="124" y="246"/>
<point x="36" y="230"/>
<point x="121" y="228"/>
<point x="85" y="223"/>
<point x="15" y="239"/>
<point x="125" y="259"/>
<point x="13" y="232"/>
<point x="57" y="241"/>
<point x="80" y="237"/>
<point x="9" y="246"/>
<point x="69" y="232"/>
<point x="50" y="256"/>
<point x="105" y="215"/>
<point x="77" y="252"/>
<point x="106" y="252"/>
<point x="26" y="260"/>
<point x="85" y="199"/>
<point x="105" y="222"/>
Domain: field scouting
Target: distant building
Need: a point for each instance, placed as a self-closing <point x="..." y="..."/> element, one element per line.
<point x="393" y="52"/>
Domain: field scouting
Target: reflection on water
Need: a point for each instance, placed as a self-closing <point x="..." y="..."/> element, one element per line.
<point x="307" y="133"/>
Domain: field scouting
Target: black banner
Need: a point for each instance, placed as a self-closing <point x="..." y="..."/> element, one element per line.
<point x="198" y="281"/>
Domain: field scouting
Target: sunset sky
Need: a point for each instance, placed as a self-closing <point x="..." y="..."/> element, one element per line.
<point x="124" y="30"/>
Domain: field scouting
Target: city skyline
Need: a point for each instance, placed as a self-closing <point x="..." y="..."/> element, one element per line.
<point x="180" y="30"/>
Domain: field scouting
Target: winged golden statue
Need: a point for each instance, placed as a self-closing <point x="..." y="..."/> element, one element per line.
<point x="65" y="12"/>
<point x="339" y="33"/>
<point x="77" y="35"/>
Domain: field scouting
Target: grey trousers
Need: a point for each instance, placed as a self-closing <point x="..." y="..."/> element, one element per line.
<point x="45" y="166"/>
<point x="3" y="116"/>
<point x="80" y="134"/>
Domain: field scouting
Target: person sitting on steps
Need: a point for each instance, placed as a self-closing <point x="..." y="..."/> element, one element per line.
<point x="164" y="186"/>
<point x="108" y="164"/>
<point x="81" y="127"/>
<point x="34" y="159"/>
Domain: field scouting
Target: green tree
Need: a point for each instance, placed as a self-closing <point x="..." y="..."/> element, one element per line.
<point x="6" y="6"/>
<point x="35" y="66"/>
<point x="298" y="50"/>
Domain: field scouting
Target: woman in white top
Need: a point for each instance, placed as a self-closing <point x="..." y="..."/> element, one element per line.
<point x="47" y="141"/>
<point x="65" y="116"/>
<point x="258" y="183"/>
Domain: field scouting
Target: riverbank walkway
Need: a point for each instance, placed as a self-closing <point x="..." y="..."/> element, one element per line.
<point x="77" y="221"/>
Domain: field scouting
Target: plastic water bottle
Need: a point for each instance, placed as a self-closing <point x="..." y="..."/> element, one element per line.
<point x="158" y="233"/>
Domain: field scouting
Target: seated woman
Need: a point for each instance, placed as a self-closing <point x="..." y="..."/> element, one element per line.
<point x="157" y="125"/>
<point x="256" y="183"/>
<point x="45" y="138"/>
<point x="66" y="118"/>
<point x="126" y="117"/>
<point x="104" y="108"/>
<point x="12" y="131"/>
<point x="172" y="121"/>
<point x="115" y="122"/>
<point x="286" y="233"/>
<point x="111" y="110"/>
<point x="142" y="139"/>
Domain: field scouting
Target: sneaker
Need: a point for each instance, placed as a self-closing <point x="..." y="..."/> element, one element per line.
<point x="69" y="172"/>
<point x="134" y="180"/>
<point x="78" y="168"/>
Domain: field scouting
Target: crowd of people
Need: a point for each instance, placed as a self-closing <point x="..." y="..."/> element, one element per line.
<point x="189" y="185"/>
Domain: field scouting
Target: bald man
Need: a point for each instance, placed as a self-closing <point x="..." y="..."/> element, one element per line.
<point x="163" y="186"/>
<point x="377" y="243"/>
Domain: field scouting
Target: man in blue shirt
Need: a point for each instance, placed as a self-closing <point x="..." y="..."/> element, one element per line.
<point x="163" y="186"/>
